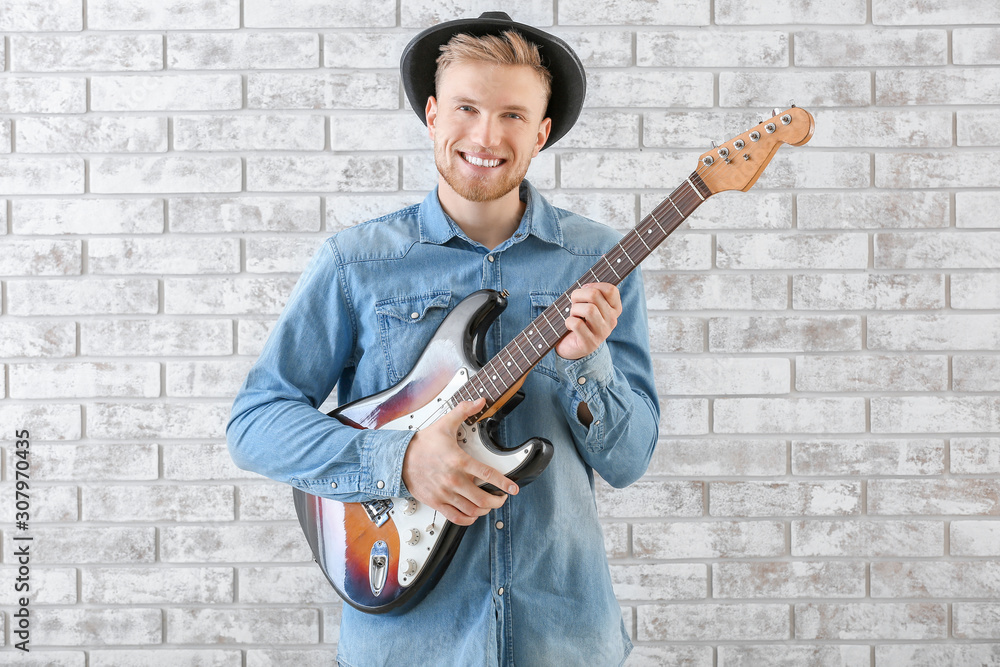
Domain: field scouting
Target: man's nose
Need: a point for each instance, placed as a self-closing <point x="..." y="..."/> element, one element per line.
<point x="486" y="132"/>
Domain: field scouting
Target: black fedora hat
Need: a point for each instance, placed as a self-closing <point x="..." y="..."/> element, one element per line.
<point x="569" y="81"/>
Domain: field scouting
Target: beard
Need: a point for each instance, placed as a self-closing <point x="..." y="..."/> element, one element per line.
<point x="484" y="188"/>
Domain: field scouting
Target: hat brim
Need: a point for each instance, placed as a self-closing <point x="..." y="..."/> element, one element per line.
<point x="418" y="66"/>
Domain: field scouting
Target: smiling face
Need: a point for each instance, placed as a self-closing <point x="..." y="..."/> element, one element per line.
<point x="487" y="124"/>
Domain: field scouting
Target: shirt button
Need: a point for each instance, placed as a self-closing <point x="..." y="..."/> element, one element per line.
<point x="380" y="484"/>
<point x="333" y="485"/>
<point x="490" y="257"/>
<point x="581" y="381"/>
<point x="499" y="525"/>
<point x="500" y="591"/>
<point x="414" y="316"/>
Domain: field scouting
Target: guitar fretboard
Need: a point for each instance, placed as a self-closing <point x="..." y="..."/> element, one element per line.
<point x="506" y="369"/>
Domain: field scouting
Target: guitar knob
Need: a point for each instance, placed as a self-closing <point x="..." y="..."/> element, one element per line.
<point x="411" y="567"/>
<point x="414" y="536"/>
<point x="410" y="507"/>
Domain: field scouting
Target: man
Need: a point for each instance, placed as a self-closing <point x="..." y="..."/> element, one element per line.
<point x="529" y="584"/>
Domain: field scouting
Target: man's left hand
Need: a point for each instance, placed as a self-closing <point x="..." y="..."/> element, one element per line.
<point x="592" y="318"/>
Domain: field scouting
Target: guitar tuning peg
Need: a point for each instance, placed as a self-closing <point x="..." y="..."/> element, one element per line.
<point x="714" y="145"/>
<point x="774" y="112"/>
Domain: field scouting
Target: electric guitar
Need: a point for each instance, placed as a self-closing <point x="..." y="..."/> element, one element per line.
<point x="386" y="553"/>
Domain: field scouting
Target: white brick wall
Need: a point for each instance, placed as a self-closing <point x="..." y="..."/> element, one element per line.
<point x="826" y="488"/>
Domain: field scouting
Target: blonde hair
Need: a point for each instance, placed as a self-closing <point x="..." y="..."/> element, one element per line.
<point x="508" y="48"/>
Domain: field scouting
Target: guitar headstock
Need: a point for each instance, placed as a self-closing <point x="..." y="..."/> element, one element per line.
<point x="738" y="163"/>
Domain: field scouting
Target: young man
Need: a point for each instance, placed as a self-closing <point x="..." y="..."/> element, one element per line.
<point x="529" y="584"/>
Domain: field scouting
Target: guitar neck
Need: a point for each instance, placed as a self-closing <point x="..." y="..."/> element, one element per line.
<point x="503" y="374"/>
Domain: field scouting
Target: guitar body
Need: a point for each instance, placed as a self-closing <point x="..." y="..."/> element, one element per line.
<point x="385" y="553"/>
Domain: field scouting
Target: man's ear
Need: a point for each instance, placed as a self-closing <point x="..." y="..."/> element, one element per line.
<point x="430" y="113"/>
<point x="543" y="135"/>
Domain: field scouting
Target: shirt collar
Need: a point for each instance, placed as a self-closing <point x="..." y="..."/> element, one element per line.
<point x="540" y="220"/>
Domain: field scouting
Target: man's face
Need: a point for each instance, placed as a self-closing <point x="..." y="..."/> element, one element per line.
<point x="487" y="123"/>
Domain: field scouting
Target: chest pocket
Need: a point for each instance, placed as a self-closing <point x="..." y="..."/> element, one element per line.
<point x="406" y="325"/>
<point x="539" y="302"/>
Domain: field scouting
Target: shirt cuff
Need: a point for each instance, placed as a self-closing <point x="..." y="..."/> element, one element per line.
<point x="589" y="374"/>
<point x="382" y="455"/>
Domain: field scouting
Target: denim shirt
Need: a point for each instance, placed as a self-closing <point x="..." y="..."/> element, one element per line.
<point x="529" y="584"/>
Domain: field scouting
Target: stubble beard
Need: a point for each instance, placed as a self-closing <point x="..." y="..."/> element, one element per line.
<point x="473" y="188"/>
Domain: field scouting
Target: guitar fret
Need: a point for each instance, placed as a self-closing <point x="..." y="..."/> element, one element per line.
<point x="611" y="267"/>
<point x="554" y="330"/>
<point x="652" y="214"/>
<point x="694" y="188"/>
<point x="639" y="236"/>
<point x="675" y="206"/>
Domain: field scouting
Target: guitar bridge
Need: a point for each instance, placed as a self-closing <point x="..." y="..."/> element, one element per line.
<point x="378" y="510"/>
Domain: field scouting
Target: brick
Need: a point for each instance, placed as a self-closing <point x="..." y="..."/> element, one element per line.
<point x="868" y="457"/>
<point x="871" y="48"/>
<point x="41" y="176"/>
<point x="648" y="88"/>
<point x="933" y="170"/>
<point x="323" y="90"/>
<point x="425" y="13"/>
<point x="156" y="338"/>
<point x="678" y="292"/>
<point x="305" y="173"/>
<point x="164" y="256"/>
<point x="302" y="658"/>
<point x="799" y="579"/>
<point x="138" y="175"/>
<point x="373" y="132"/>
<point x="660" y="581"/>
<point x="263" y="132"/>
<point x="238" y="296"/>
<point x="615" y="169"/>
<point x="99" y="134"/>
<point x="713" y="539"/>
<point x="791" y="251"/>
<point x="736" y="12"/>
<point x="314" y="14"/>
<point x="42" y="16"/>
<point x="87" y="216"/>
<point x="85" y="544"/>
<point x="698" y="622"/>
<point x="269" y="501"/>
<point x="45" y="422"/>
<point x="683" y="416"/>
<point x="156" y="420"/>
<point x="931" y="655"/>
<point x="91" y="296"/>
<point x="841" y="655"/>
<point x="932" y="414"/>
<point x="240" y="626"/>
<point x="675" y="334"/>
<point x="692" y="129"/>
<point x="166" y="92"/>
<point x="654" y="655"/>
<point x="616" y="539"/>
<point x="85" y="53"/>
<point x="976" y="620"/>
<point x="951" y="86"/>
<point x="867" y="539"/>
<point x="251" y="50"/>
<point x="858" y="620"/>
<point x="56" y="585"/>
<point x="792" y="169"/>
<point x="41" y="258"/>
<point x="784" y="415"/>
<point x="43" y="94"/>
<point x="648" y="499"/>
<point x="975" y="209"/>
<point x="157" y="585"/>
<point x="680" y="376"/>
<point x="165" y="657"/>
<point x="201" y="379"/>
<point x="883" y="129"/>
<point x="56" y="504"/>
<point x="37" y="339"/>
<point x="879" y="210"/>
<point x="41" y="657"/>
<point x="687" y="48"/>
<point x="634" y="12"/>
<point x="940" y="250"/>
<point x="929" y="12"/>
<point x="978" y="128"/>
<point x="975" y="538"/>
<point x="758" y="210"/>
<point x="85" y="380"/>
<point x="934" y="496"/>
<point x="245" y="214"/>
<point x="945" y="579"/>
<point x="871" y="373"/>
<point x="975" y="456"/>
<point x="868" y="291"/>
<point x="159" y="503"/>
<point x="5" y="148"/>
<point x="230" y="543"/>
<point x="77" y="627"/>
<point x="382" y="49"/>
<point x="934" y="332"/>
<point x="719" y="457"/>
<point x="766" y="499"/>
<point x="603" y="129"/>
<point x="168" y="15"/>
<point x="598" y="48"/>
<point x="285" y="585"/>
<point x="201" y="462"/>
<point x="976" y="46"/>
<point x="807" y="89"/>
<point x="94" y="462"/>
<point x="975" y="290"/>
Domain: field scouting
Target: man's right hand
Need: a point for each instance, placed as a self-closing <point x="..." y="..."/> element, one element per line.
<point x="438" y="472"/>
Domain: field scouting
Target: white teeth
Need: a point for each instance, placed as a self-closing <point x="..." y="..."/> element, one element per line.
<point x="471" y="159"/>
